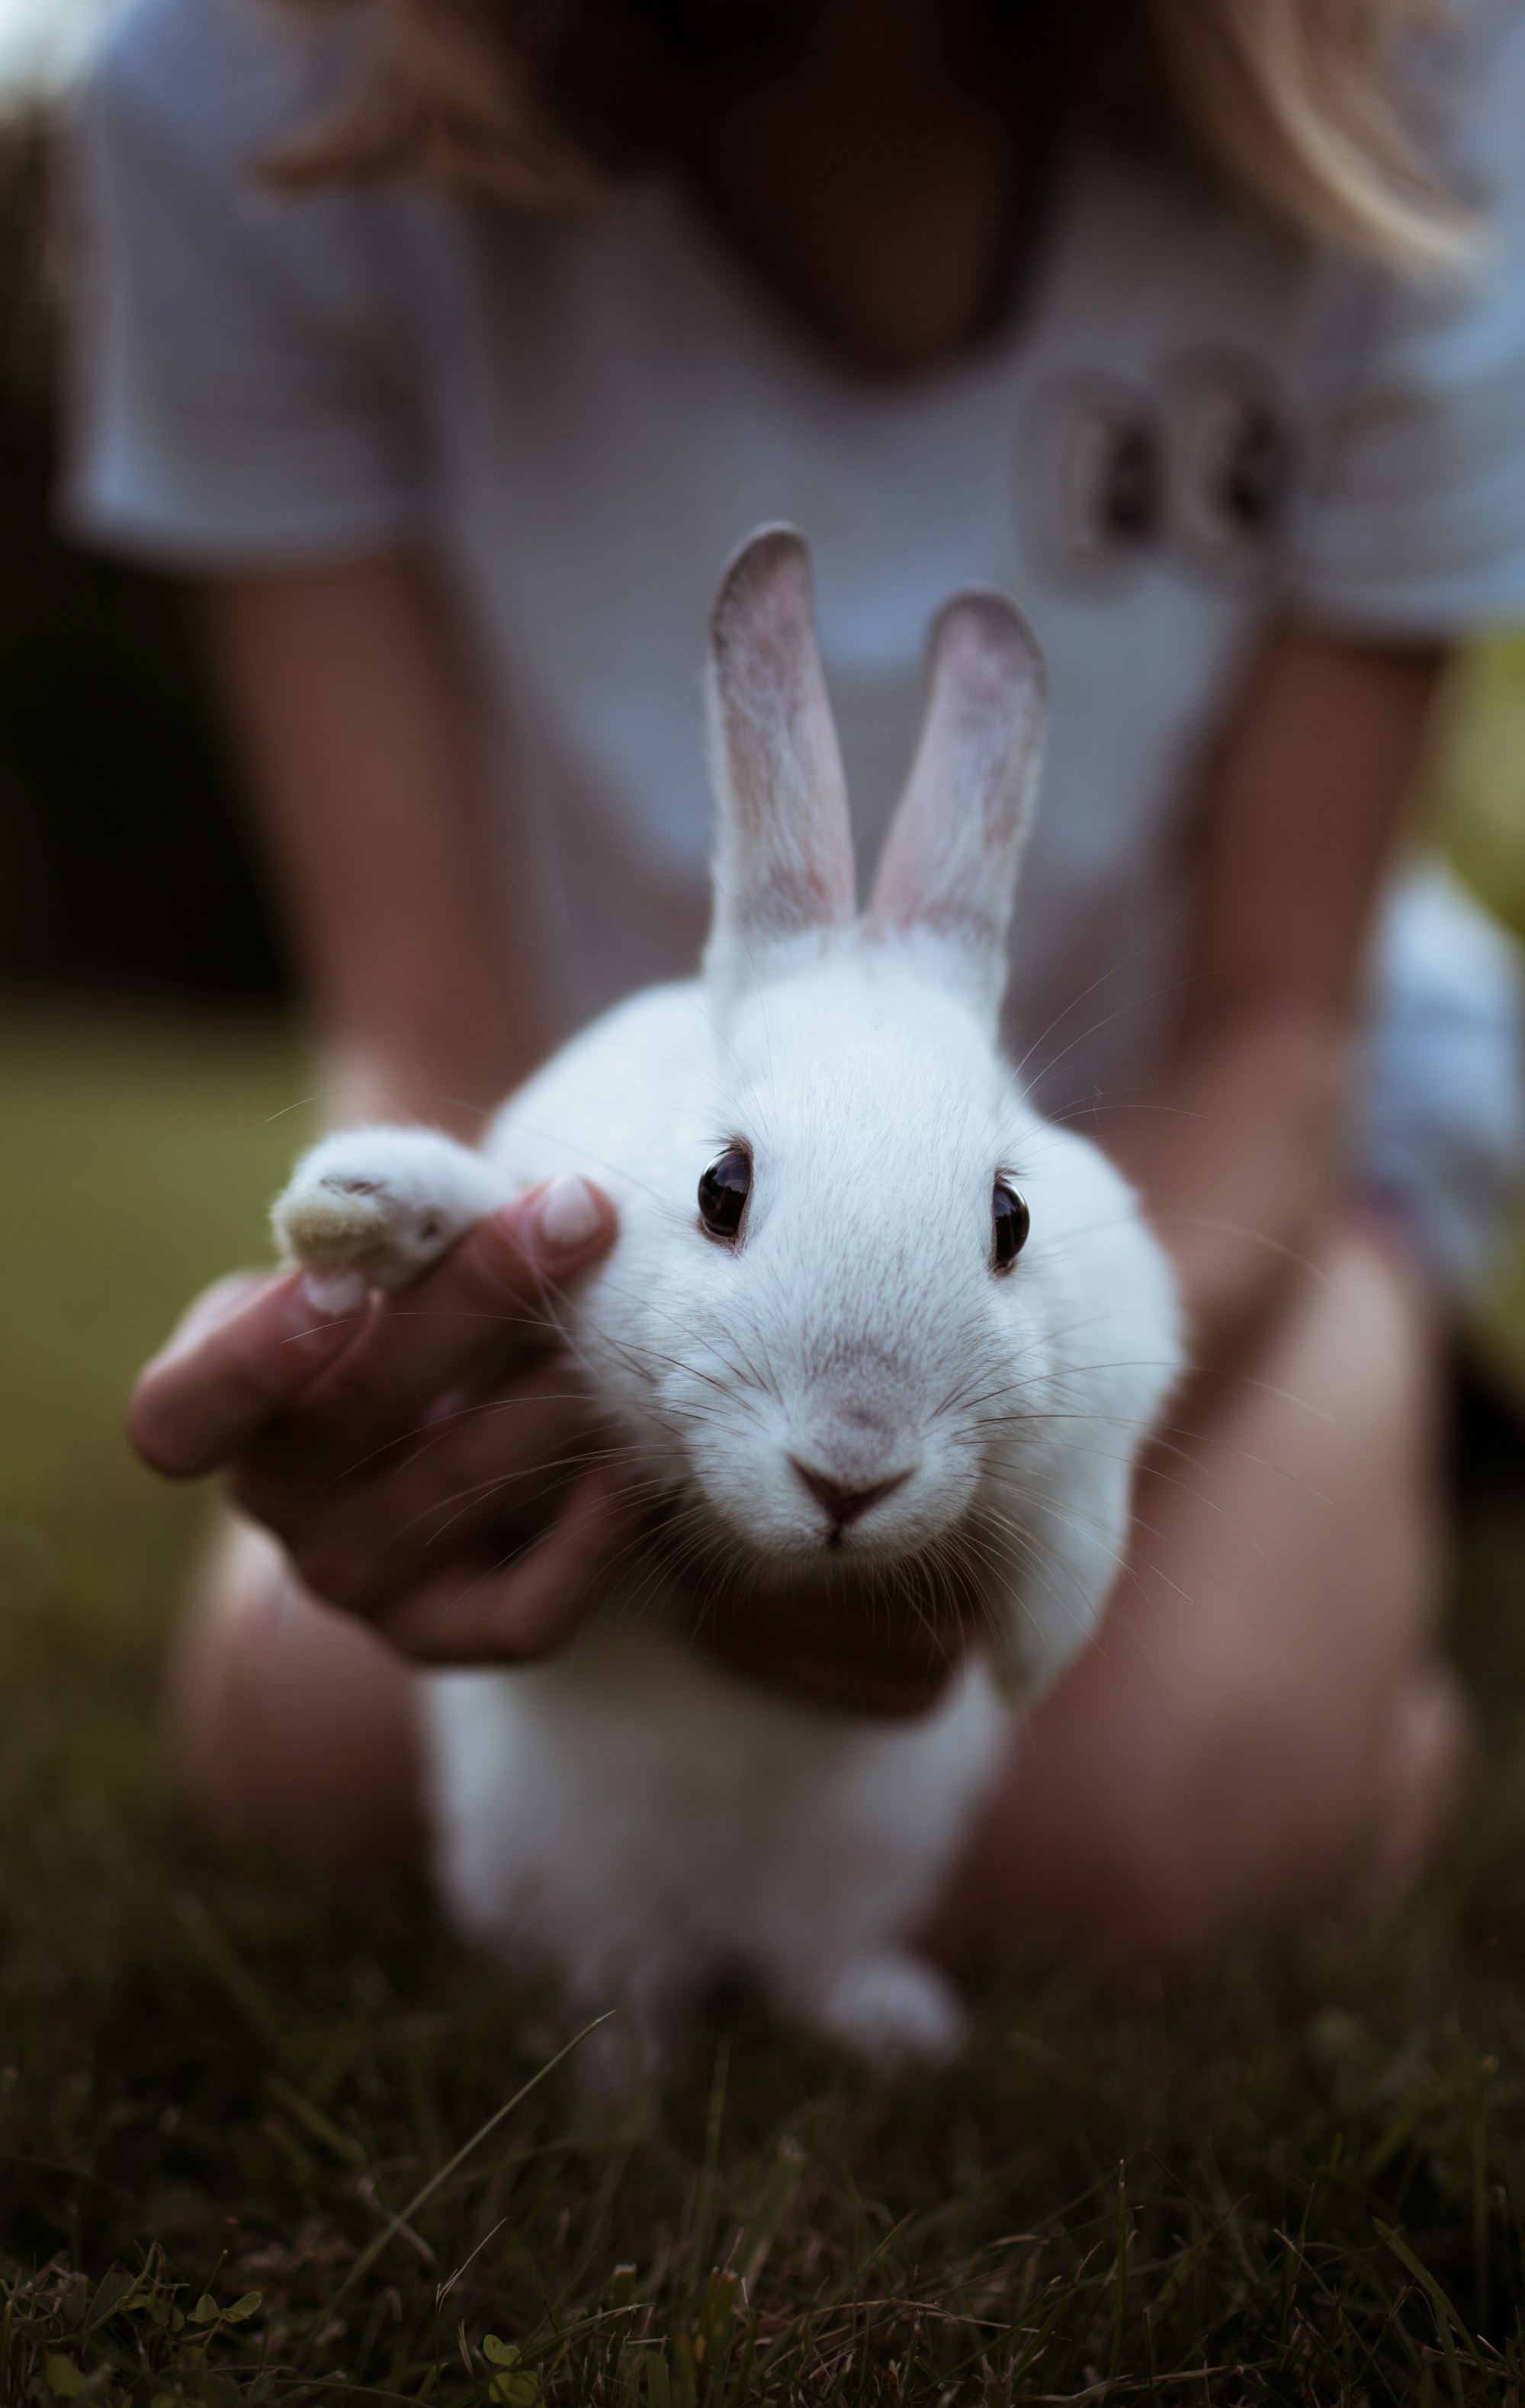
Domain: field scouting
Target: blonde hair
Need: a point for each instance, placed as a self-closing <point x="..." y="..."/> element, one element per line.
<point x="1298" y="103"/>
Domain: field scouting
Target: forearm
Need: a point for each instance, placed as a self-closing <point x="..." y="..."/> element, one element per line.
<point x="1240" y="1148"/>
<point x="1239" y="1156"/>
<point x="357" y="730"/>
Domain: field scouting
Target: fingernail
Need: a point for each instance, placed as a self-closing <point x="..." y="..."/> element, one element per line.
<point x="331" y="1295"/>
<point x="568" y="1215"/>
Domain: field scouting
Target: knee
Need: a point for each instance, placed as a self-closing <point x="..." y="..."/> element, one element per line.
<point x="1170" y="1878"/>
<point x="294" y="1727"/>
<point x="1261" y="1816"/>
<point x="1159" y="1899"/>
<point x="1184" y="1852"/>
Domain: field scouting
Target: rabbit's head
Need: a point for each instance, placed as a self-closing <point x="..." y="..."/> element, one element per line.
<point x="895" y="1320"/>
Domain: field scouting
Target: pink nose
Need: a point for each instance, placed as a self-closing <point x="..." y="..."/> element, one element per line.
<point x="842" y="1503"/>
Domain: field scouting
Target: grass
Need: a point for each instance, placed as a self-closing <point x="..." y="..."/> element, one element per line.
<point x="257" y="2142"/>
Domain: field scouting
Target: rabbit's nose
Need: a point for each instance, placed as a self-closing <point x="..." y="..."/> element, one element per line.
<point x="844" y="1504"/>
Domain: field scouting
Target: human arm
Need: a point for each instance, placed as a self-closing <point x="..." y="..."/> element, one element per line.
<point x="1239" y="1151"/>
<point x="404" y="1457"/>
<point x="352" y="712"/>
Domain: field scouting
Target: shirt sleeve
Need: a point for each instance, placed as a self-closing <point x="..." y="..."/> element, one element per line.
<point x="1416" y="522"/>
<point x="241" y="390"/>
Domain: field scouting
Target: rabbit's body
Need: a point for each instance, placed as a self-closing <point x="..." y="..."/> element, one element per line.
<point x="651" y="1825"/>
<point x="854" y="1383"/>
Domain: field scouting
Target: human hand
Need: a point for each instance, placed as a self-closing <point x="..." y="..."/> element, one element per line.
<point x="840" y="1647"/>
<point x="429" y="1463"/>
<point x="420" y="1462"/>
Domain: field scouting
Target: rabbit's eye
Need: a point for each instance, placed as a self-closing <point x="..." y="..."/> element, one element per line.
<point x="1010" y="1222"/>
<point x="724" y="1191"/>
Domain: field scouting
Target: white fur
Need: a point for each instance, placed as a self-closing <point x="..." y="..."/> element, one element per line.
<point x="630" y="1812"/>
<point x="375" y="1207"/>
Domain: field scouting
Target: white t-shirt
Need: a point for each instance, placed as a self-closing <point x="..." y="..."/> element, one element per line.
<point x="1192" y="421"/>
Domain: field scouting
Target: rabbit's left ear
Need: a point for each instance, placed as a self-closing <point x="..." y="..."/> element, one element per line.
<point x="950" y="859"/>
<point x="783" y="854"/>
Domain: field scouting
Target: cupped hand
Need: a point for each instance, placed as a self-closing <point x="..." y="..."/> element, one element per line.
<point x="890" y="1655"/>
<point x="429" y="1462"/>
<point x="431" y="1465"/>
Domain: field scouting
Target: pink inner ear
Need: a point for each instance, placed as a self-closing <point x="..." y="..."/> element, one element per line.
<point x="784" y="852"/>
<point x="950" y="859"/>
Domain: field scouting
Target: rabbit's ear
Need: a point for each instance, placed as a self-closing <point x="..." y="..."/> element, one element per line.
<point x="783" y="853"/>
<point x="950" y="858"/>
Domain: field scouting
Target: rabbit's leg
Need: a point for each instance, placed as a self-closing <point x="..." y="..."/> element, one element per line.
<point x="377" y="1206"/>
<point x="639" y="2017"/>
<point x="891" y="2005"/>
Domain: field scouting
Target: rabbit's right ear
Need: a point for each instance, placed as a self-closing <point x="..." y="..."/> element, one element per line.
<point x="950" y="859"/>
<point x="783" y="852"/>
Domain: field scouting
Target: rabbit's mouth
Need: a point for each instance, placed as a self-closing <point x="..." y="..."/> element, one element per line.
<point x="893" y="1621"/>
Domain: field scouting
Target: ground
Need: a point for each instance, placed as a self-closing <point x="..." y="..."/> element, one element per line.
<point x="258" y="2142"/>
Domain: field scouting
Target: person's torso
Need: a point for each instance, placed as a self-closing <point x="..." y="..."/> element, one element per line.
<point x="611" y="407"/>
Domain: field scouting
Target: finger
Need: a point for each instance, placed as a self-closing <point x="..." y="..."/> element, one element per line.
<point x="853" y="1680"/>
<point x="531" y="1607"/>
<point x="212" y="1307"/>
<point x="830" y="1648"/>
<point x="490" y="1303"/>
<point x="393" y="1522"/>
<point x="244" y="1352"/>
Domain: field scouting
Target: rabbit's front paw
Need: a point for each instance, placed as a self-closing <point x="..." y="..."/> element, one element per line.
<point x="894" y="2006"/>
<point x="376" y="1207"/>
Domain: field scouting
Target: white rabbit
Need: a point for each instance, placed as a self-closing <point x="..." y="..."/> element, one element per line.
<point x="825" y="1332"/>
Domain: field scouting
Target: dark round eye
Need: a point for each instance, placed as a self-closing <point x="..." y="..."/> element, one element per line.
<point x="724" y="1191"/>
<point x="1010" y="1222"/>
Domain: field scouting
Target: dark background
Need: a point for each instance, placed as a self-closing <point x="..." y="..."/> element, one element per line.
<point x="124" y="866"/>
